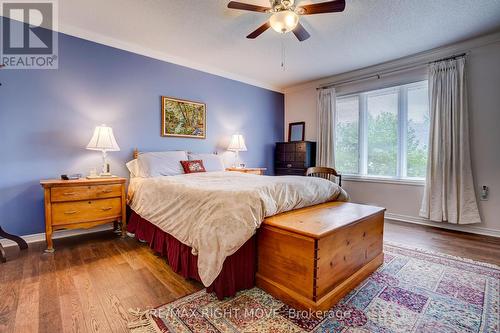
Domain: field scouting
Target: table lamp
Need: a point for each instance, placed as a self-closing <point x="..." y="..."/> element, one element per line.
<point x="237" y="144"/>
<point x="103" y="140"/>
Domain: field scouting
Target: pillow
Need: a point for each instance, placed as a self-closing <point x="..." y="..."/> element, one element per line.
<point x="161" y="163"/>
<point x="133" y="168"/>
<point x="211" y="162"/>
<point x="193" y="166"/>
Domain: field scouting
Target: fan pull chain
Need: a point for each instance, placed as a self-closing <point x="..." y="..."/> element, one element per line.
<point x="283" y="53"/>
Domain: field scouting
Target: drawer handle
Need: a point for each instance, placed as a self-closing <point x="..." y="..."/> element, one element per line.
<point x="69" y="193"/>
<point x="107" y="208"/>
<point x="71" y="212"/>
<point x="107" y="191"/>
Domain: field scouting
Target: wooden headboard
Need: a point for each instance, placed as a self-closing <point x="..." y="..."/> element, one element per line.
<point x="137" y="152"/>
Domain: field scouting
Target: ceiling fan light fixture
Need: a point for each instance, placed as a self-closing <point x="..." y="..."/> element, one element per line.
<point x="284" y="21"/>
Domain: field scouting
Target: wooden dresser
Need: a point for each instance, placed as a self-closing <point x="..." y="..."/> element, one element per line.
<point x="293" y="158"/>
<point x="255" y="171"/>
<point x="83" y="203"/>
<point x="311" y="257"/>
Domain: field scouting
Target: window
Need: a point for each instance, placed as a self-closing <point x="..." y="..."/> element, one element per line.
<point x="347" y="138"/>
<point x="383" y="133"/>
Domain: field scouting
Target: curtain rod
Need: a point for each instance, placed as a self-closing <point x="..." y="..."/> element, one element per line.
<point x="456" y="56"/>
<point x="396" y="70"/>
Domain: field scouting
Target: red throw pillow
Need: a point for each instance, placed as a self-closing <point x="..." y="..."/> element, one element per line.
<point x="193" y="166"/>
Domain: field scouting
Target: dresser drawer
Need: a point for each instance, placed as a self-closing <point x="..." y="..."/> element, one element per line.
<point x="301" y="147"/>
<point x="76" y="193"/>
<point x="290" y="147"/>
<point x="85" y="211"/>
<point x="70" y="193"/>
<point x="290" y="172"/>
<point x="290" y="165"/>
<point x="105" y="191"/>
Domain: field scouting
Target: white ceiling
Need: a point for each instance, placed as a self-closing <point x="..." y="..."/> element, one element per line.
<point x="204" y="34"/>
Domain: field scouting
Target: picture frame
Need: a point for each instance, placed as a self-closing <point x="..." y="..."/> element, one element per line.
<point x="183" y="118"/>
<point x="296" y="131"/>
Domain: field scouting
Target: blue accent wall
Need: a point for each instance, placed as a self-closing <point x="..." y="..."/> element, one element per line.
<point x="48" y="116"/>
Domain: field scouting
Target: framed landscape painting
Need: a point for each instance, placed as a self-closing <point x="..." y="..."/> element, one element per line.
<point x="182" y="118"/>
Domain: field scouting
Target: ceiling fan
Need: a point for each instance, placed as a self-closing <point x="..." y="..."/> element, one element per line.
<point x="286" y="15"/>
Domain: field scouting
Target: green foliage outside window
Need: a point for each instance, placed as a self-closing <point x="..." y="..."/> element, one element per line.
<point x="382" y="144"/>
<point x="416" y="157"/>
<point x="382" y="147"/>
<point x="346" y="148"/>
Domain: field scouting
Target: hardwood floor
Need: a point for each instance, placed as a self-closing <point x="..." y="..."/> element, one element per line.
<point x="91" y="281"/>
<point x="456" y="243"/>
<point x="87" y="285"/>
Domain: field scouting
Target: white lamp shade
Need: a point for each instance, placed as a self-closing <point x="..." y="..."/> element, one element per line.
<point x="237" y="143"/>
<point x="103" y="139"/>
<point x="284" y="21"/>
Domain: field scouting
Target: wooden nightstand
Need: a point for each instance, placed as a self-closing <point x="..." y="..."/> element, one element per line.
<point x="83" y="203"/>
<point x="255" y="171"/>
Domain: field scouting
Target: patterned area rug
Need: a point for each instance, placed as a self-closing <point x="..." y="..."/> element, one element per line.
<point x="414" y="291"/>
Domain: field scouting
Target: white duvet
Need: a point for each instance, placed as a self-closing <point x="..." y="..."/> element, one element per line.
<point x="215" y="213"/>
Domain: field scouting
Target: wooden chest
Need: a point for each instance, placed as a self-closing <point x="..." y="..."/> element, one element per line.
<point x="82" y="203"/>
<point x="310" y="258"/>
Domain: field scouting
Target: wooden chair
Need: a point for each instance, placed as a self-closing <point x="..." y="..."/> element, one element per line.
<point x="326" y="173"/>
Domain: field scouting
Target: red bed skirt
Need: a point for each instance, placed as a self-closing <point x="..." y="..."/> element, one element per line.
<point x="238" y="272"/>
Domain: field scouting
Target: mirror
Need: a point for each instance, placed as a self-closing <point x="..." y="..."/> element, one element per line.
<point x="296" y="131"/>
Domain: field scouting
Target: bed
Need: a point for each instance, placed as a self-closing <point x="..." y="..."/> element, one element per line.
<point x="204" y="223"/>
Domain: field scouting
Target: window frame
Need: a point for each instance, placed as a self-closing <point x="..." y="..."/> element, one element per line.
<point x="401" y="176"/>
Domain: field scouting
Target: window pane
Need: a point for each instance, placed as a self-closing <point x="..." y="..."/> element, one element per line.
<point x="418" y="131"/>
<point x="382" y="117"/>
<point x="347" y="136"/>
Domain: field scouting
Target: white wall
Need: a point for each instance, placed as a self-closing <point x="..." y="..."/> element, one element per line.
<point x="301" y="106"/>
<point x="403" y="201"/>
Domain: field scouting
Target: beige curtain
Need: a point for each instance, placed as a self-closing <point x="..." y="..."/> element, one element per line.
<point x="326" y="128"/>
<point x="449" y="194"/>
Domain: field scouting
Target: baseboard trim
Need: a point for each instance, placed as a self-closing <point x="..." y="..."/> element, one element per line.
<point x="464" y="228"/>
<point x="35" y="238"/>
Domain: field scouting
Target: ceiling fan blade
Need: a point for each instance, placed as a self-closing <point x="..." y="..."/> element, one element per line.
<point x="246" y="6"/>
<point x="323" y="7"/>
<point x="259" y="30"/>
<point x="301" y="33"/>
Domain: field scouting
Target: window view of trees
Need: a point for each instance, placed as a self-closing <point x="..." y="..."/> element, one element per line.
<point x="417" y="151"/>
<point x="418" y="132"/>
<point x="347" y="136"/>
<point x="382" y="113"/>
<point x="382" y="128"/>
